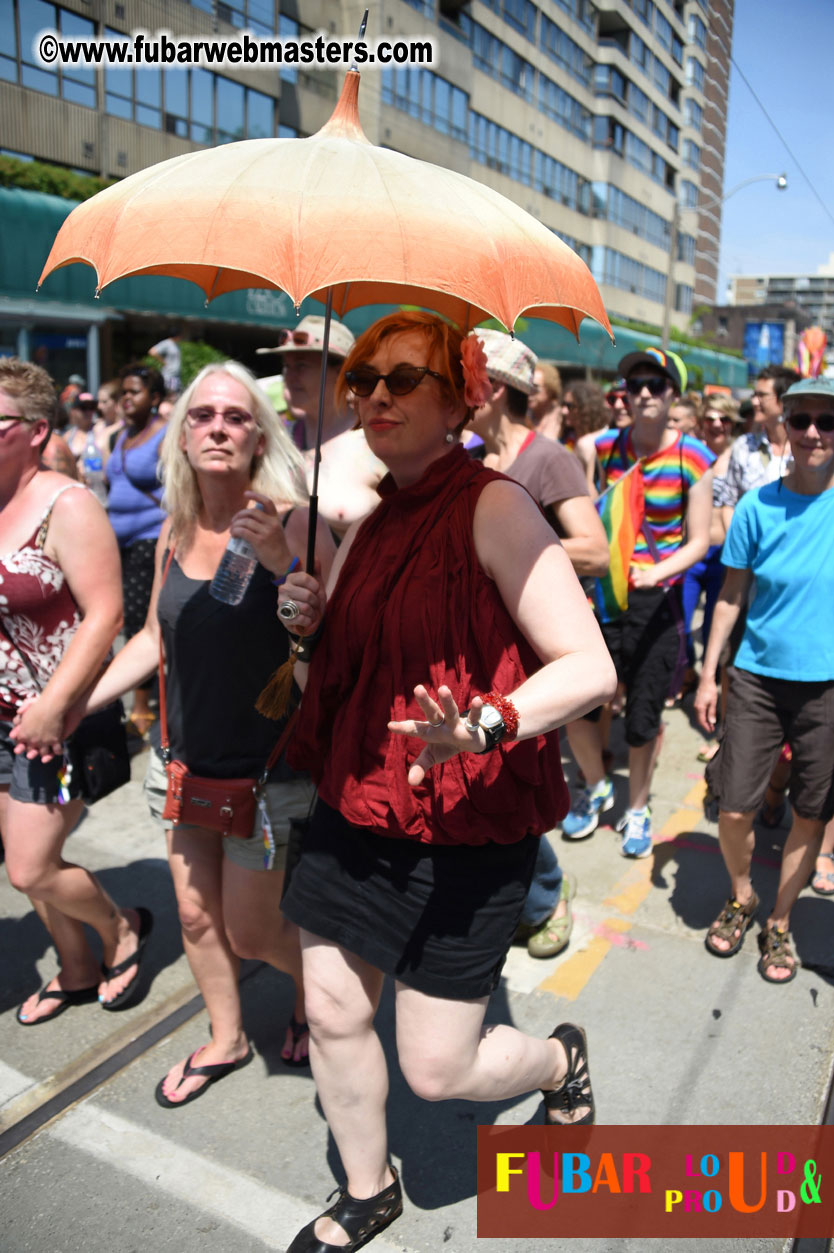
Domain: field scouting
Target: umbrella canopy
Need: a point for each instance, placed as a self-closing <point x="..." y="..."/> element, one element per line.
<point x="332" y="214"/>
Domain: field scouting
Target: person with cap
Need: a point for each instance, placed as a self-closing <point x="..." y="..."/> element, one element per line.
<point x="554" y="479"/>
<point x="645" y="640"/>
<point x="349" y="472"/>
<point x="780" y="551"/>
<point x="544" y="409"/>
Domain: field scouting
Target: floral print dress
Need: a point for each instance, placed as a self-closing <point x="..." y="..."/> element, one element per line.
<point x="38" y="617"/>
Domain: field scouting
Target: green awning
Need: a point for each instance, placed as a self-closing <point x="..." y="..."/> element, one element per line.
<point x="29" y="222"/>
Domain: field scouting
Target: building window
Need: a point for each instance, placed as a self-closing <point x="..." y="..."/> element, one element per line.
<point x="558" y="182"/>
<point x="695" y="73"/>
<point x="683" y="298"/>
<point x="686" y="249"/>
<point x="429" y="98"/>
<point x="617" y="270"/>
<point x="288" y="28"/>
<point x="522" y="15"/>
<point x="582" y="250"/>
<point x="691" y="154"/>
<point x="18" y="64"/>
<point x="613" y="205"/>
<point x="558" y="104"/>
<point x="638" y="52"/>
<point x="231" y="106"/>
<point x="582" y="11"/>
<point x="255" y="15"/>
<point x="663" y="30"/>
<point x="497" y="148"/>
<point x="176" y="102"/>
<point x="186" y="102"/>
<point x="495" y="58"/>
<point x="608" y="81"/>
<point x="693" y="113"/>
<point x="688" y="193"/>
<point x="610" y="134"/>
<point x="638" y="104"/>
<point x="697" y="31"/>
<point x="561" y="49"/>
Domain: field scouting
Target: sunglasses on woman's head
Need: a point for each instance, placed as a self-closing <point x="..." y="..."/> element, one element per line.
<point x="401" y="380"/>
<point x="656" y="383"/>
<point x="801" y="421"/>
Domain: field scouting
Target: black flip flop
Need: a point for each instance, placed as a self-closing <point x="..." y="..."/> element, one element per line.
<point x="66" y="1000"/>
<point x="211" y="1073"/>
<point x="112" y="972"/>
<point x="297" y="1030"/>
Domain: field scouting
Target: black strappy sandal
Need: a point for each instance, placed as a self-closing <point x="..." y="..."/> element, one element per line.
<point x="361" y="1220"/>
<point x="575" y="1090"/>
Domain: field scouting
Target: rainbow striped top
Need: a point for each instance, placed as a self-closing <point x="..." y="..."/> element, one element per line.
<point x="668" y="476"/>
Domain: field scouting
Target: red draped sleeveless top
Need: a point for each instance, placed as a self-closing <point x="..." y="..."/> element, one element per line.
<point x="412" y="605"/>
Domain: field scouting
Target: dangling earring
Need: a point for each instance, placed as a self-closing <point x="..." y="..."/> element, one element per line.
<point x="450" y="438"/>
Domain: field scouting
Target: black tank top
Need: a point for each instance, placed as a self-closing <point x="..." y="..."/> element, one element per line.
<point x="218" y="659"/>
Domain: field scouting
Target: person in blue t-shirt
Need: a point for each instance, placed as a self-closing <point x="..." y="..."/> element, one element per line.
<point x="782" y="684"/>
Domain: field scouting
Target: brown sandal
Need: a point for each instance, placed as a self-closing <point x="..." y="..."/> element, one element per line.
<point x="774" y="945"/>
<point x="734" y="917"/>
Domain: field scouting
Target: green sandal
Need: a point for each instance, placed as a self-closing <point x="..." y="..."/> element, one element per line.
<point x="553" y="935"/>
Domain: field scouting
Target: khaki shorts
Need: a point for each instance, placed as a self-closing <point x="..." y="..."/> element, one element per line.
<point x="763" y="714"/>
<point x="285" y="802"/>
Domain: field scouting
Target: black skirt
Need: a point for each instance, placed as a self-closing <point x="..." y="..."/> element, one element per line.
<point x="438" y="918"/>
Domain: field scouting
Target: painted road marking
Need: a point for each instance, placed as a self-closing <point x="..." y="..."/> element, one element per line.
<point x="264" y="1213"/>
<point x="629" y="892"/>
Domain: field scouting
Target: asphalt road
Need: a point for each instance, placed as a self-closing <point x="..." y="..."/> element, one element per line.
<point x="91" y="1163"/>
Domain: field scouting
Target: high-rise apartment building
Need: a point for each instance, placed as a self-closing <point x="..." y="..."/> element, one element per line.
<point x="592" y="114"/>
<point x="812" y="294"/>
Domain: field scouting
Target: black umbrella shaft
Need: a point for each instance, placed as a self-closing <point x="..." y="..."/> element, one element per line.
<point x="314" y="494"/>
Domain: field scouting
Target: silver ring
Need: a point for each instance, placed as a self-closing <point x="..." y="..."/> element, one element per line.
<point x="471" y="727"/>
<point x="288" y="611"/>
<point x="436" y="724"/>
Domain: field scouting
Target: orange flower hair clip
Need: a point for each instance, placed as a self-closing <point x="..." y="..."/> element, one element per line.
<point x="477" y="388"/>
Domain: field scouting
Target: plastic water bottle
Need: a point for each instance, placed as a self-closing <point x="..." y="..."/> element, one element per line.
<point x="234" y="574"/>
<point x="92" y="468"/>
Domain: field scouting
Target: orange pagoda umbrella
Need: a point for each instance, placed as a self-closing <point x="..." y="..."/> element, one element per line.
<point x="336" y="218"/>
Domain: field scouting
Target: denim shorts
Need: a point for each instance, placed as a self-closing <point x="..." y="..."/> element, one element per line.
<point x="34" y="782"/>
<point x="285" y="803"/>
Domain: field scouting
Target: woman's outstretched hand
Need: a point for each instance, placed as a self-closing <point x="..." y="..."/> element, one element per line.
<point x="444" y="731"/>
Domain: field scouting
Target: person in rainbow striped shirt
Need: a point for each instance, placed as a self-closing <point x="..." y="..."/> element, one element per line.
<point x="670" y="532"/>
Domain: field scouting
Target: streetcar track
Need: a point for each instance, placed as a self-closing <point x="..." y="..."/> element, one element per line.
<point x="42" y="1104"/>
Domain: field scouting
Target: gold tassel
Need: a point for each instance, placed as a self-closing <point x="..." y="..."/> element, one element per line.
<point x="275" y="698"/>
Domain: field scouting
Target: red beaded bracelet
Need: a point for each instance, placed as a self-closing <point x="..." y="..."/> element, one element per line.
<point x="507" y="710"/>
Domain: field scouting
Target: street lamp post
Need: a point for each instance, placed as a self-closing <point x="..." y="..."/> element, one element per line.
<point x="781" y="181"/>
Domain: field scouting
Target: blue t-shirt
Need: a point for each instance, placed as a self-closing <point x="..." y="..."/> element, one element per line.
<point x="787" y="540"/>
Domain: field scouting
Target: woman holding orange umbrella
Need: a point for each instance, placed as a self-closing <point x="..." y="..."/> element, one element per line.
<point x="441" y="669"/>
